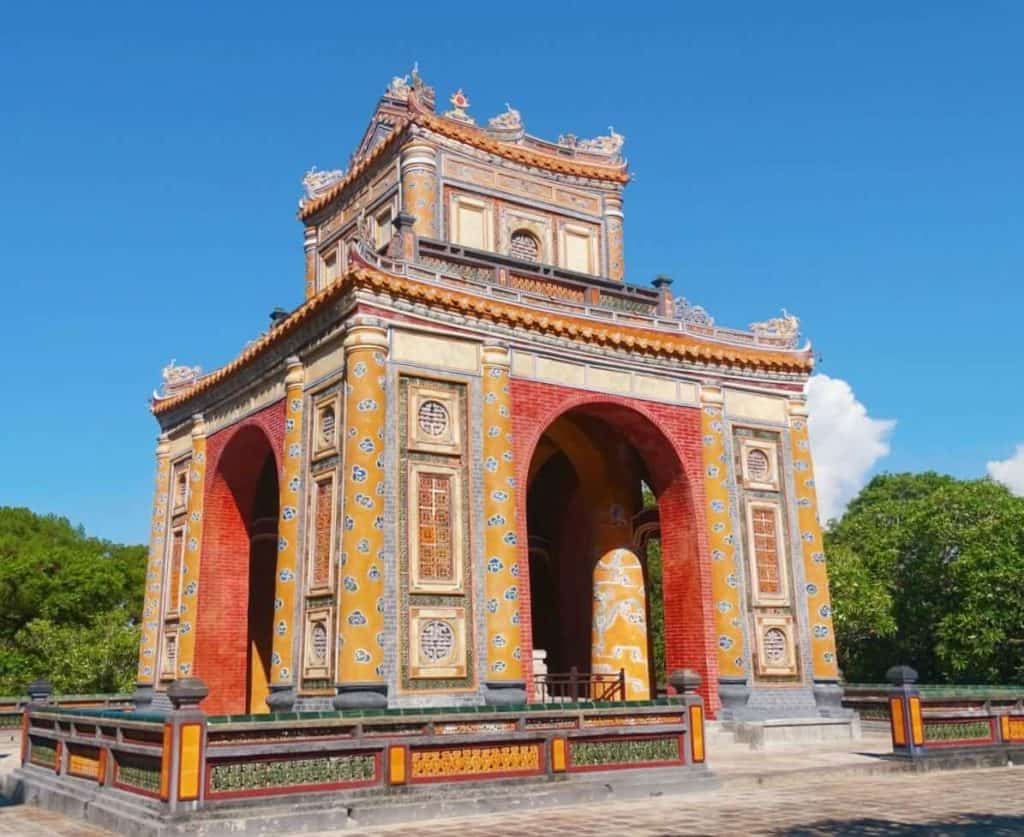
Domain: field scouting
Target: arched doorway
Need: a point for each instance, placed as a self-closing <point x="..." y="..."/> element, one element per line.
<point x="603" y="477"/>
<point x="239" y="563"/>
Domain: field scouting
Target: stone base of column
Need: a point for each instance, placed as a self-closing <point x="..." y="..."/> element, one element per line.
<point x="734" y="694"/>
<point x="361" y="696"/>
<point x="828" y="696"/>
<point x="505" y="693"/>
<point x="143" y="697"/>
<point x="281" y="698"/>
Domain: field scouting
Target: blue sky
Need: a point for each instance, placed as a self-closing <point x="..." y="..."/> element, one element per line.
<point x="861" y="166"/>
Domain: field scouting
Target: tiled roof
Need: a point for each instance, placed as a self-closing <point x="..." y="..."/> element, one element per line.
<point x="478" y="139"/>
<point x="613" y="335"/>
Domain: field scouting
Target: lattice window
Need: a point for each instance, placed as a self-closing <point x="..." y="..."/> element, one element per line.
<point x="776" y="647"/>
<point x="181" y="488"/>
<point x="766" y="550"/>
<point x="323" y="517"/>
<point x="524" y="245"/>
<point x="169" y="659"/>
<point x="328" y="427"/>
<point x="174" y="571"/>
<point x="758" y="467"/>
<point x="318" y="643"/>
<point x="434" y="512"/>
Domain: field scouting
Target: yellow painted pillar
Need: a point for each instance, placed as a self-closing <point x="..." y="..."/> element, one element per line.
<point x="189" y="609"/>
<point x="504" y="678"/>
<point x="419" y="187"/>
<point x="824" y="666"/>
<point x="149" y="641"/>
<point x="360" y="660"/>
<point x="619" y="635"/>
<point x="725" y="582"/>
<point x="282" y="668"/>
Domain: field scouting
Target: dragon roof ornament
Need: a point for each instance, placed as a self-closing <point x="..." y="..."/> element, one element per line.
<point x="176" y="380"/>
<point x="784" y="330"/>
<point x="316" y="183"/>
<point x="507" y="126"/>
<point x="609" y="145"/>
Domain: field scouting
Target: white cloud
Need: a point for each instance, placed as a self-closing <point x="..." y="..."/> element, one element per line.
<point x="1010" y="472"/>
<point x="845" y="442"/>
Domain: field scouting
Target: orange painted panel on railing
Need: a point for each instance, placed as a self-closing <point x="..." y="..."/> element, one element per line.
<point x="188" y="767"/>
<point x="697" y="733"/>
<point x="916" y="722"/>
<point x="899" y="733"/>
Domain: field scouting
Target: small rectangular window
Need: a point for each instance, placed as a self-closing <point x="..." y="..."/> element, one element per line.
<point x="471" y="229"/>
<point x="328" y="268"/>
<point x="577" y="254"/>
<point x="383" y="229"/>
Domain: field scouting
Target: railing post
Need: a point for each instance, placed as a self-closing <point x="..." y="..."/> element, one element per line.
<point x="686" y="683"/>
<point x="184" y="755"/>
<point x="40" y="693"/>
<point x="622" y="684"/>
<point x="574" y="684"/>
<point x="905" y="718"/>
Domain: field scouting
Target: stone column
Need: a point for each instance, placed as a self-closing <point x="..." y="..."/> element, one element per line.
<point x="827" y="691"/>
<point x="310" y="241"/>
<point x="282" y="668"/>
<point x="419" y="187"/>
<point x="189" y="609"/>
<point x="504" y="678"/>
<point x="725" y="582"/>
<point x="149" y="643"/>
<point x="613" y="230"/>
<point x="360" y="636"/>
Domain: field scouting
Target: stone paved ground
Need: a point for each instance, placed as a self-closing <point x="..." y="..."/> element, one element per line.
<point x="969" y="802"/>
<point x="816" y="801"/>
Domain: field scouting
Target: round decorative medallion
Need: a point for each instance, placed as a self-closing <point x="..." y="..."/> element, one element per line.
<point x="775" y="647"/>
<point x="437" y="640"/>
<point x="433" y="418"/>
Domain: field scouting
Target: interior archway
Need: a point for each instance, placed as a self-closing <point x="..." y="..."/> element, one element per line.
<point x="237" y="574"/>
<point x="603" y="476"/>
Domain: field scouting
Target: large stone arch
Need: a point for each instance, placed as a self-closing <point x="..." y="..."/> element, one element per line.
<point x="238" y="564"/>
<point x="667" y="438"/>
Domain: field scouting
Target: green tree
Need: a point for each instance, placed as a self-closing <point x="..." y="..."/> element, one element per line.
<point x="71" y="605"/>
<point x="925" y="569"/>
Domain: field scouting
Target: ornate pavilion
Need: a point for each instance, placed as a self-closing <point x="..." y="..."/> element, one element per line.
<point x="477" y="466"/>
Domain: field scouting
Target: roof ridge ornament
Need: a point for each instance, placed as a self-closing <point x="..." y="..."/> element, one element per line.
<point x="609" y="145"/>
<point x="316" y="183"/>
<point x="400" y="88"/>
<point x="694" y="315"/>
<point x="507" y="126"/>
<point x="784" y="330"/>
<point x="460" y="102"/>
<point x="177" y="379"/>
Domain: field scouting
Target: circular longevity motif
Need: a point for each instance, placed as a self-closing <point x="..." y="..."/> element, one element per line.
<point x="433" y="418"/>
<point x="437" y="640"/>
